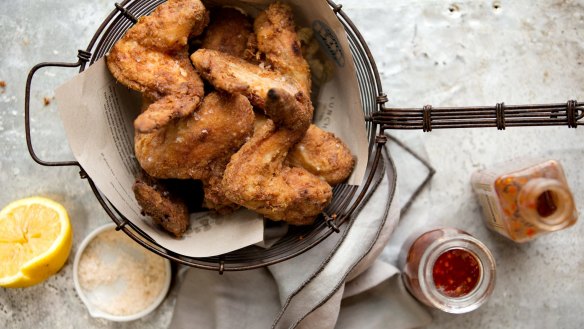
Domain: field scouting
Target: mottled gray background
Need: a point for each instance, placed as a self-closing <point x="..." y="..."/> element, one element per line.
<point x="429" y="52"/>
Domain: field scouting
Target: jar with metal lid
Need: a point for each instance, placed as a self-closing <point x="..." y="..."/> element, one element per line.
<point x="448" y="269"/>
<point x="522" y="200"/>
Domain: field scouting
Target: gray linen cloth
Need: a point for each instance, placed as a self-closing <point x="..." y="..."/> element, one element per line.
<point x="341" y="283"/>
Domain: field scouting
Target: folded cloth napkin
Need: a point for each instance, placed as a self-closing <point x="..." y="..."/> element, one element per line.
<point x="340" y="283"/>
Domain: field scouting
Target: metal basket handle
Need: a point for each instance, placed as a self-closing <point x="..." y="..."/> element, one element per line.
<point x="428" y="117"/>
<point x="83" y="58"/>
<point x="499" y="116"/>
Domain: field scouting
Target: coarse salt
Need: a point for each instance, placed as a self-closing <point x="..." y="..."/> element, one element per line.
<point x="118" y="276"/>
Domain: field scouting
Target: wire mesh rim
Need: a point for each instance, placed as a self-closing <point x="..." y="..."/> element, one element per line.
<point x="113" y="28"/>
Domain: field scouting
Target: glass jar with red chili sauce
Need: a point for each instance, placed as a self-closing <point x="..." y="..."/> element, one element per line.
<point x="448" y="269"/>
<point x="522" y="200"/>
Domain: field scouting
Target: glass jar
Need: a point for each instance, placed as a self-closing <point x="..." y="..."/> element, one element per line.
<point x="448" y="269"/>
<point x="525" y="199"/>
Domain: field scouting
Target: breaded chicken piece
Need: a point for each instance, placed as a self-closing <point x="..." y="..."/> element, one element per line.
<point x="164" y="207"/>
<point x="320" y="152"/>
<point x="152" y="58"/>
<point x="214" y="194"/>
<point x="230" y="32"/>
<point x="257" y="178"/>
<point x="278" y="41"/>
<point x="235" y="75"/>
<point x="323" y="154"/>
<point x="187" y="147"/>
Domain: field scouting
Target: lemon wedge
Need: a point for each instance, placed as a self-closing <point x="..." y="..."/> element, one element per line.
<point x="35" y="241"/>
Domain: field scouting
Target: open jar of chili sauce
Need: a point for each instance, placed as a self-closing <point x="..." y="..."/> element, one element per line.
<point x="448" y="269"/>
<point x="522" y="200"/>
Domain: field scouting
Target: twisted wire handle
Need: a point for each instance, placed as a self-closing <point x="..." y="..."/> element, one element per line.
<point x="499" y="116"/>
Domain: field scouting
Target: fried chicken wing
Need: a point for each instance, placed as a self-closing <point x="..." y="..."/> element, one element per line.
<point x="278" y="41"/>
<point x="164" y="207"/>
<point x="152" y="58"/>
<point x="214" y="194"/>
<point x="235" y="75"/>
<point x="187" y="147"/>
<point x="319" y="152"/>
<point x="230" y="32"/>
<point x="257" y="178"/>
<point x="323" y="154"/>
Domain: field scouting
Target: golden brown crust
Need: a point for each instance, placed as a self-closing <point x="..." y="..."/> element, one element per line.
<point x="278" y="41"/>
<point x="323" y="154"/>
<point x="215" y="197"/>
<point x="187" y="147"/>
<point x="235" y="75"/>
<point x="257" y="178"/>
<point x="164" y="207"/>
<point x="169" y="26"/>
<point x="230" y="32"/>
<point x="152" y="58"/>
<point x="319" y="152"/>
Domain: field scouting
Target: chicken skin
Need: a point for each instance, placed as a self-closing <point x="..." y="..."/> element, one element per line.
<point x="164" y="206"/>
<point x="319" y="152"/>
<point x="322" y="154"/>
<point x="260" y="176"/>
<point x="278" y="41"/>
<point x="214" y="194"/>
<point x="235" y="75"/>
<point x="257" y="178"/>
<point x="188" y="147"/>
<point x="230" y="32"/>
<point x="152" y="58"/>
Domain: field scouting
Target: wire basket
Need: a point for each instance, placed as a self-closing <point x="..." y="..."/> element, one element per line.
<point x="347" y="199"/>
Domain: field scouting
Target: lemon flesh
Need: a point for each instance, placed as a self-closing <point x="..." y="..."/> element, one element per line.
<point x="35" y="241"/>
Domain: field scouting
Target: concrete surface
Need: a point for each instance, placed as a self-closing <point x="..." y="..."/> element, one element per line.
<point x="429" y="52"/>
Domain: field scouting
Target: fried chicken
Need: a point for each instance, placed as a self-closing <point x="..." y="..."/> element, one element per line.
<point x="235" y="75"/>
<point x="230" y="32"/>
<point x="214" y="194"/>
<point x="257" y="178"/>
<point x="320" y="152"/>
<point x="152" y="58"/>
<point x="278" y="41"/>
<point x="323" y="154"/>
<point x="188" y="147"/>
<point x="164" y="207"/>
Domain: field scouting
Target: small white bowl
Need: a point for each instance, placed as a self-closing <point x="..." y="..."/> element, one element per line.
<point x="86" y="295"/>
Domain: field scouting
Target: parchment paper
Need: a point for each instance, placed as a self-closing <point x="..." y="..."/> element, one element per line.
<point x="98" y="113"/>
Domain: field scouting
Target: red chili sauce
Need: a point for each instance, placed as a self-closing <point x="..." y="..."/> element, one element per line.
<point x="456" y="272"/>
<point x="546" y="204"/>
